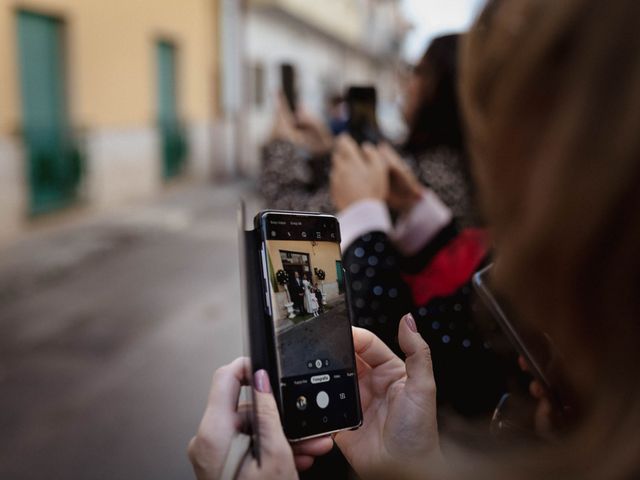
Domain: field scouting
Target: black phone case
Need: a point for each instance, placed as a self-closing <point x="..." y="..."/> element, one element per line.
<point x="261" y="340"/>
<point x="261" y="343"/>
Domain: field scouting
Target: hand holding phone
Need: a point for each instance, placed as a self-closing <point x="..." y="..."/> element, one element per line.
<point x="537" y="353"/>
<point x="314" y="369"/>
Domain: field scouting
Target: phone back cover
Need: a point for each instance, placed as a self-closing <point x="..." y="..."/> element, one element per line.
<point x="258" y="341"/>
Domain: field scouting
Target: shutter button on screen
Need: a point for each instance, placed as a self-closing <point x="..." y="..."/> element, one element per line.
<point x="322" y="399"/>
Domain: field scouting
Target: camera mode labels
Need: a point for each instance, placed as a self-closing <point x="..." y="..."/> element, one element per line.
<point x="319" y="378"/>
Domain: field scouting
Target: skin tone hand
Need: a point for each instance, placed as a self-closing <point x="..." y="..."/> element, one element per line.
<point x="398" y="403"/>
<point x="284" y="125"/>
<point x="357" y="173"/>
<point x="316" y="136"/>
<point x="302" y="129"/>
<point x="405" y="190"/>
<point x="223" y="419"/>
<point x="543" y="415"/>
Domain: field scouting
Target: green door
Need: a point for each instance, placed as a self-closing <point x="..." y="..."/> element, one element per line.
<point x="340" y="276"/>
<point x="53" y="161"/>
<point x="171" y="135"/>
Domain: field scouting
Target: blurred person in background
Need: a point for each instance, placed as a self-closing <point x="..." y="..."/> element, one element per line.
<point x="337" y="115"/>
<point x="423" y="263"/>
<point x="295" y="162"/>
<point x="551" y="94"/>
<point x="435" y="147"/>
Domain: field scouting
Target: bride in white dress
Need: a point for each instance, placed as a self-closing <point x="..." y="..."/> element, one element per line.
<point x="310" y="300"/>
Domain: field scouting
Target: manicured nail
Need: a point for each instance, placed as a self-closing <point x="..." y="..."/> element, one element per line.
<point x="261" y="381"/>
<point x="411" y="323"/>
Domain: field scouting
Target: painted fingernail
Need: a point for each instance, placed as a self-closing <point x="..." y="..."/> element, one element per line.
<point x="261" y="381"/>
<point x="411" y="323"/>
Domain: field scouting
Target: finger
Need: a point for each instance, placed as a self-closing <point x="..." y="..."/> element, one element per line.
<point x="371" y="349"/>
<point x="373" y="157"/>
<point x="542" y="418"/>
<point x="225" y="386"/>
<point x="315" y="447"/>
<point x="268" y="418"/>
<point x="523" y="364"/>
<point x="536" y="390"/>
<point x="390" y="155"/>
<point x="348" y="148"/>
<point x="303" y="462"/>
<point x="418" y="357"/>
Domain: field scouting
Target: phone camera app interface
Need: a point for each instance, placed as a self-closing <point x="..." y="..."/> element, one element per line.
<point x="311" y="324"/>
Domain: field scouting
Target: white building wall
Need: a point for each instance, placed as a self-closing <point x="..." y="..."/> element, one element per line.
<point x="122" y="165"/>
<point x="323" y="67"/>
<point x="13" y="190"/>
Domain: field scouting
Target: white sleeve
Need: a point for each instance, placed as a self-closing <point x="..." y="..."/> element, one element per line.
<point x="420" y="225"/>
<point x="361" y="218"/>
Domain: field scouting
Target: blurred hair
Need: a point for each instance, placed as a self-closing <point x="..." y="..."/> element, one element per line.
<point x="437" y="121"/>
<point x="551" y="95"/>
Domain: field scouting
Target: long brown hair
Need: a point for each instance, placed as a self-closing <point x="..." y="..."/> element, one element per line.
<point x="550" y="91"/>
<point x="437" y="118"/>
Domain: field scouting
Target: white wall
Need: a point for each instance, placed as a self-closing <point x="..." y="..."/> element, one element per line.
<point x="13" y="190"/>
<point x="321" y="65"/>
<point x="122" y="165"/>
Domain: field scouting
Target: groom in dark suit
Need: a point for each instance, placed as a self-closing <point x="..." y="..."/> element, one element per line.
<point x="296" y="292"/>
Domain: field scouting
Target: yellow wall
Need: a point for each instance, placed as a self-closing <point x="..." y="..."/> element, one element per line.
<point x="111" y="59"/>
<point x="322" y="256"/>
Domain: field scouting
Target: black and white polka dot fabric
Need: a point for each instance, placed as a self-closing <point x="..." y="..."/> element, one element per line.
<point x="469" y="376"/>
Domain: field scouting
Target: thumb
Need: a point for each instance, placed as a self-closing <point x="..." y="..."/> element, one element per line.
<point x="420" y="379"/>
<point x="268" y="419"/>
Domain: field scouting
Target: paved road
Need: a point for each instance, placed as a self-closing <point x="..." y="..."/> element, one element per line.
<point x="325" y="338"/>
<point x="109" y="333"/>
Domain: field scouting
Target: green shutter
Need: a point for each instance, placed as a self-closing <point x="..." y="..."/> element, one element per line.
<point x="53" y="161"/>
<point x="172" y="137"/>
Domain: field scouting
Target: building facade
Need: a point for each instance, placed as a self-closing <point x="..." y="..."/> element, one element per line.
<point x="103" y="103"/>
<point x="332" y="44"/>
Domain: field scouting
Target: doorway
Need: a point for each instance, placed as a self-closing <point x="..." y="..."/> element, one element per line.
<point x="296" y="262"/>
<point x="172" y="140"/>
<point x="53" y="160"/>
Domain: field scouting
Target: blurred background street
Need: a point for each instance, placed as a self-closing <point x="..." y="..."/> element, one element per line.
<point x="109" y="332"/>
<point x="128" y="132"/>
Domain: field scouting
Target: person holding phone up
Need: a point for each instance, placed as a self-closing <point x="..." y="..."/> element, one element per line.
<point x="551" y="95"/>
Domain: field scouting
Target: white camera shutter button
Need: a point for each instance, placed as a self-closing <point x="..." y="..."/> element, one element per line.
<point x="322" y="399"/>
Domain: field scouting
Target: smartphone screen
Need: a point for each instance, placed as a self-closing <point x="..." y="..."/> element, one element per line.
<point x="307" y="305"/>
<point x="362" y="124"/>
<point x="288" y="73"/>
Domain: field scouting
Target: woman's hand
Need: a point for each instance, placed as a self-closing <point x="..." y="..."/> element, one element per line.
<point x="357" y="173"/>
<point x="543" y="416"/>
<point x="303" y="129"/>
<point x="398" y="404"/>
<point x="223" y="419"/>
<point x="405" y="190"/>
<point x="284" y="124"/>
<point x="316" y="136"/>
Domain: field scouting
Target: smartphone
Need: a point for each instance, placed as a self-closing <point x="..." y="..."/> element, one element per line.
<point x="289" y="86"/>
<point x="542" y="358"/>
<point x="308" y="312"/>
<point x="362" y="124"/>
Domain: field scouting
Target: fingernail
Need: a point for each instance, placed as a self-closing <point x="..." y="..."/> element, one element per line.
<point x="261" y="381"/>
<point x="411" y="323"/>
